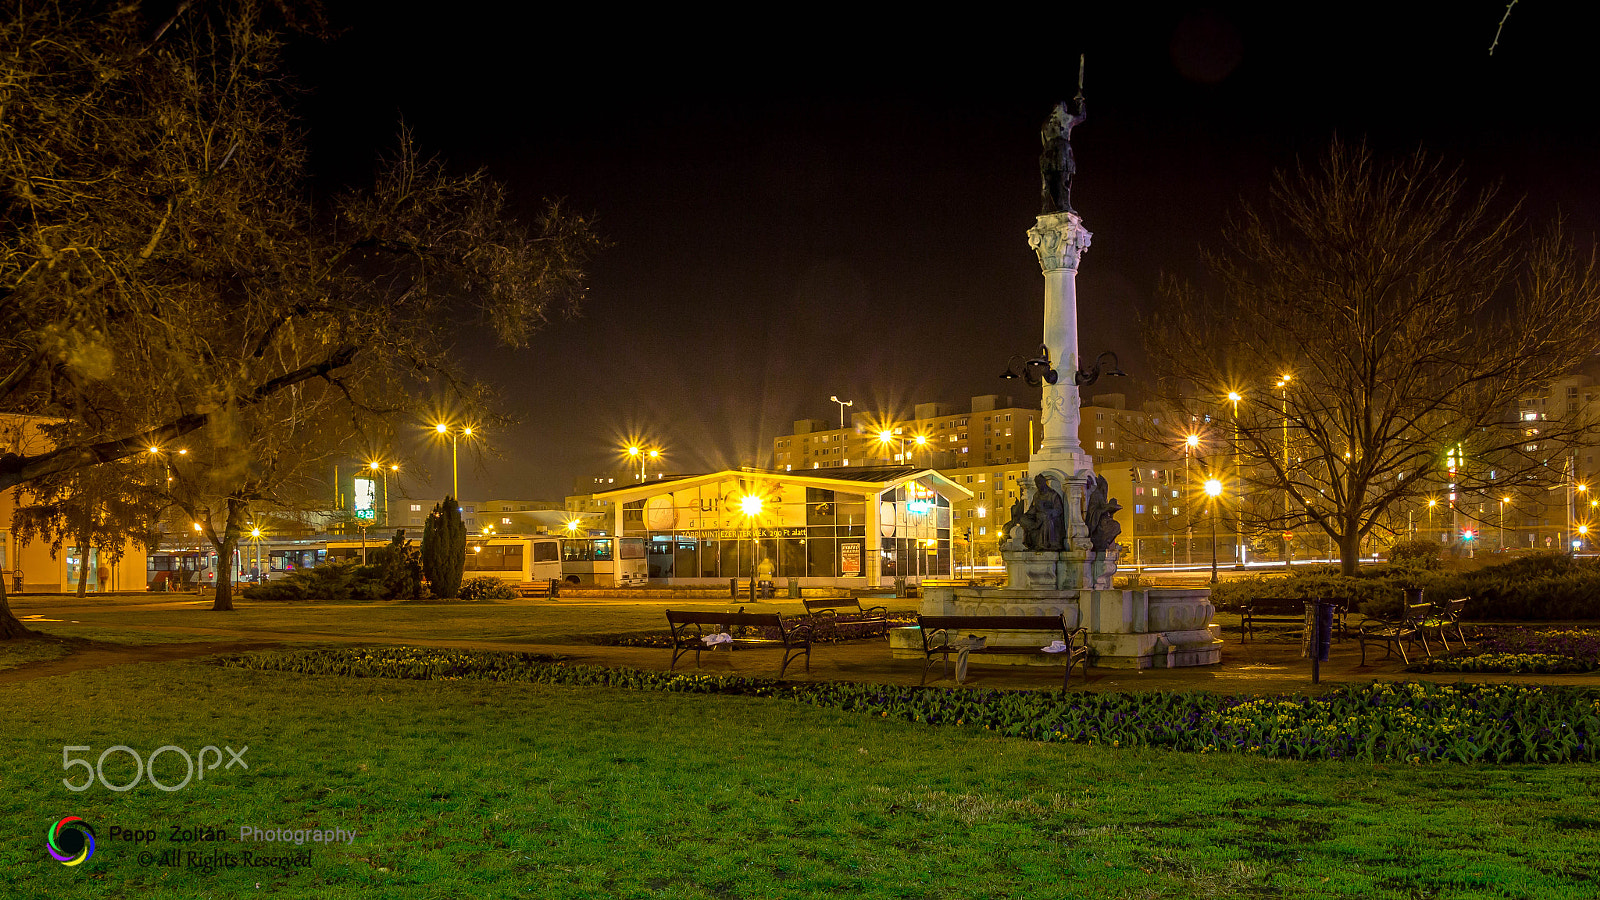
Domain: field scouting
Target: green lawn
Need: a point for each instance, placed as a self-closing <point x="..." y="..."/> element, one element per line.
<point x="482" y="789"/>
<point x="510" y="621"/>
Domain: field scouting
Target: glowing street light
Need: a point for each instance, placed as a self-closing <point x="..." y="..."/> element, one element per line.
<point x="1214" y="491"/>
<point x="750" y="505"/>
<point x="379" y="467"/>
<point x="642" y="454"/>
<point x="455" y="481"/>
<point x="1191" y="444"/>
<point x="1503" y="502"/>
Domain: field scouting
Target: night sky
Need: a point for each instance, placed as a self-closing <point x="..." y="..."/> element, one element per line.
<point x="803" y="203"/>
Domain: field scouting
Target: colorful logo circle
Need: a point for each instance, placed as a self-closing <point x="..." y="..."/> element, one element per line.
<point x="71" y="841"/>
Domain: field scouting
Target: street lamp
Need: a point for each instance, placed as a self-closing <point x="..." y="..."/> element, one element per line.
<point x="1238" y="541"/>
<point x="1190" y="444"/>
<point x="887" y="437"/>
<point x="642" y="454"/>
<point x="379" y="467"/>
<point x="255" y="536"/>
<point x="750" y="505"/>
<point x="1503" y="502"/>
<point x="842" y="405"/>
<point x="455" y="482"/>
<point x="1214" y="491"/>
<point x="1283" y="385"/>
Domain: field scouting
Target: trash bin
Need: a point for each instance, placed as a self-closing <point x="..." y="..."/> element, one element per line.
<point x="16" y="581"/>
<point x="794" y="589"/>
<point x="900" y="586"/>
<point x="733" y="588"/>
<point x="555" y="588"/>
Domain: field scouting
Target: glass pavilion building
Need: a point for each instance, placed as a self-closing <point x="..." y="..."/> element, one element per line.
<point x="850" y="527"/>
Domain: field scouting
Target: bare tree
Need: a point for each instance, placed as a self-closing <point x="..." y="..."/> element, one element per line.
<point x="1409" y="315"/>
<point x="163" y="268"/>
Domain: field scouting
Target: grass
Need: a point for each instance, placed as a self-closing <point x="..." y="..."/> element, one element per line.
<point x="20" y="653"/>
<point x="507" y="621"/>
<point x="482" y="789"/>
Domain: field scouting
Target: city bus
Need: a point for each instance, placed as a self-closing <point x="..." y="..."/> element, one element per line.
<point x="515" y="559"/>
<point x="511" y="558"/>
<point x="601" y="562"/>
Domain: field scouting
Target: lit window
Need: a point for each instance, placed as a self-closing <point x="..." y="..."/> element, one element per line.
<point x="982" y="529"/>
<point x="1138" y="509"/>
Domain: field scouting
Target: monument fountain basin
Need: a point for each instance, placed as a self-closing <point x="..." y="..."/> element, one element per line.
<point x="1128" y="629"/>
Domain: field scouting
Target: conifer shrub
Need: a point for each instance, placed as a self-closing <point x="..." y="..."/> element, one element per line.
<point x="444" y="549"/>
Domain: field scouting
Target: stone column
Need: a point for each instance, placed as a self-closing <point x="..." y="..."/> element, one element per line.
<point x="1059" y="239"/>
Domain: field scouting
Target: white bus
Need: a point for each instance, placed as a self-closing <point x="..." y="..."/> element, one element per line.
<point x="511" y="558"/>
<point x="515" y="559"/>
<point x="601" y="562"/>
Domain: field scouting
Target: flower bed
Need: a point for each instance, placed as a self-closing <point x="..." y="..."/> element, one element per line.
<point x="1409" y="722"/>
<point x="1526" y="651"/>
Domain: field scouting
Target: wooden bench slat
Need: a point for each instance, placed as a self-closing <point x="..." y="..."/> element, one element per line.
<point x="1075" y="653"/>
<point x="794" y="639"/>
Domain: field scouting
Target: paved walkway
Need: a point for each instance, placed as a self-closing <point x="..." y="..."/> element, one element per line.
<point x="1269" y="664"/>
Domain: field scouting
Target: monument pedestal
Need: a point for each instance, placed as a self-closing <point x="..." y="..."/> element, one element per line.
<point x="1135" y="629"/>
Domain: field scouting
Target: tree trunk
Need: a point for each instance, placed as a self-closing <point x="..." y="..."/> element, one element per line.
<point x="1350" y="550"/>
<point x="223" y="601"/>
<point x="10" y="627"/>
<point x="83" y="567"/>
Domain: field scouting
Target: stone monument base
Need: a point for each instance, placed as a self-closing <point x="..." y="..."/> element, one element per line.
<point x="1134" y="629"/>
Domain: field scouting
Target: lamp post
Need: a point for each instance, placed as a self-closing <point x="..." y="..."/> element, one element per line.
<point x="1503" y="502"/>
<point x="750" y="505"/>
<point x="1190" y="443"/>
<point x="1580" y="488"/>
<point x="642" y="454"/>
<point x="887" y="438"/>
<point x="455" y="481"/>
<point x="1283" y="385"/>
<point x="842" y="405"/>
<point x="1238" y="540"/>
<point x="380" y="468"/>
<point x="255" y="537"/>
<point x="1214" y="491"/>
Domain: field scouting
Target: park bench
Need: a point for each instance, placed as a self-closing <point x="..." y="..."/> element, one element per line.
<point x="1285" y="611"/>
<point x="689" y="633"/>
<point x="1446" y="618"/>
<point x="827" y="608"/>
<point x="1395" y="635"/>
<point x="943" y="635"/>
<point x="544" y="587"/>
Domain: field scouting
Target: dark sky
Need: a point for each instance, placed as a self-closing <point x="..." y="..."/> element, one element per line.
<point x="804" y="203"/>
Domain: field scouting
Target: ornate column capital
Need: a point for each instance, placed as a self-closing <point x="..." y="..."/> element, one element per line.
<point x="1059" y="239"/>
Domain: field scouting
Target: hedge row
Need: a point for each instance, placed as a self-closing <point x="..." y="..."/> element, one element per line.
<point x="1409" y="722"/>
<point x="1546" y="587"/>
